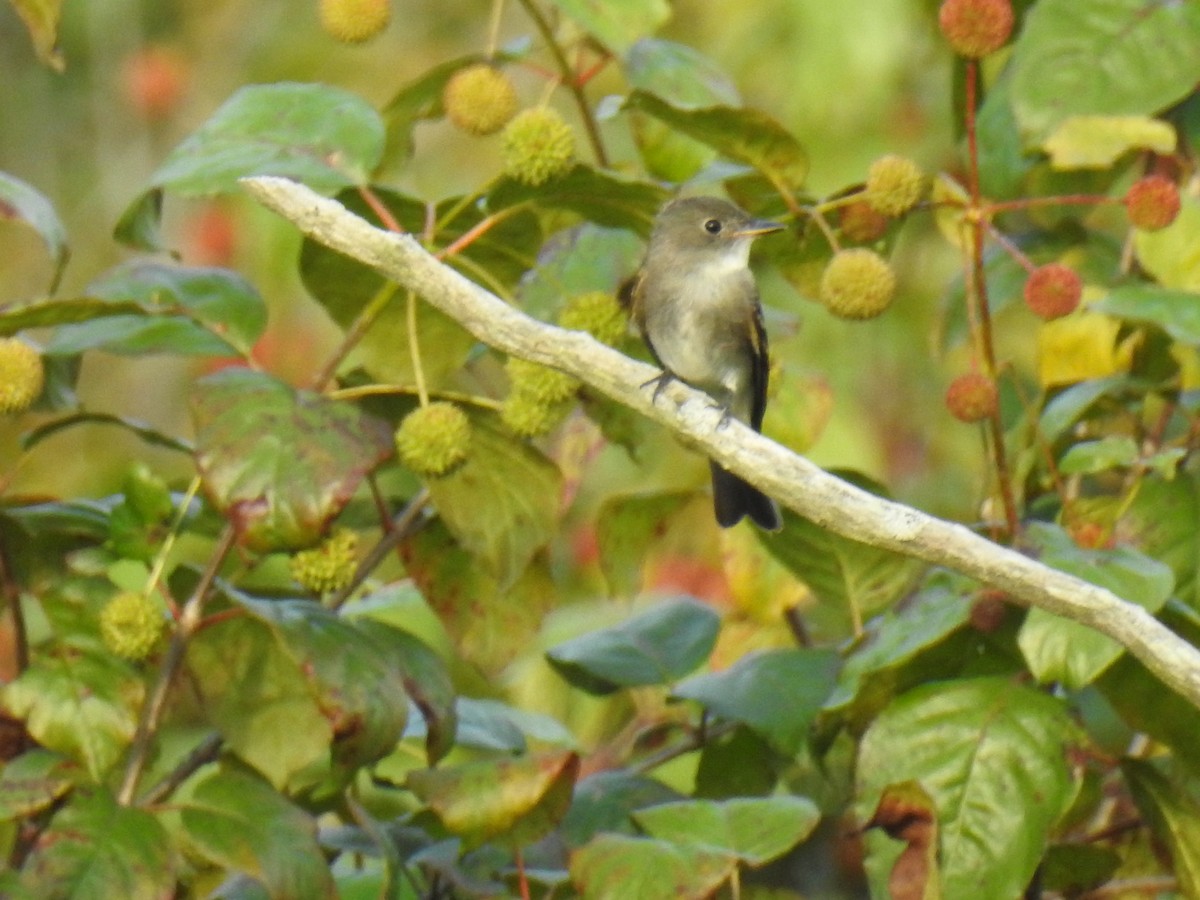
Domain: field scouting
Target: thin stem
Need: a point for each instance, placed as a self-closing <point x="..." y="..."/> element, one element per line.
<point x="414" y="349"/>
<point x="478" y="230"/>
<point x="380" y="209"/>
<point x="10" y="591"/>
<point x="567" y="74"/>
<point x="979" y="279"/>
<point x="357" y="330"/>
<point x="160" y="559"/>
<point x="156" y="703"/>
<point x="1010" y="248"/>
<point x="202" y="754"/>
<point x="404" y="524"/>
<point x="383" y="390"/>
<point x="494" y="27"/>
<point x="1063" y="200"/>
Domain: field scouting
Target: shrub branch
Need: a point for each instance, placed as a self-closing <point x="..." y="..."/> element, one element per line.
<point x="788" y="477"/>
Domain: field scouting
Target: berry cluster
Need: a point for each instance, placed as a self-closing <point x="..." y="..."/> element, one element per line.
<point x="131" y="625"/>
<point x="329" y="566"/>
<point x="354" y="21"/>
<point x="22" y="375"/>
<point x="539" y="397"/>
<point x="434" y="440"/>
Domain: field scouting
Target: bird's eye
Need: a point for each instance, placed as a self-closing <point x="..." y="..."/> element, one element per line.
<point x="713" y="226"/>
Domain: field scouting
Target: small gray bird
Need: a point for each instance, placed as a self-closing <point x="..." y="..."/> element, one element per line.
<point x="695" y="301"/>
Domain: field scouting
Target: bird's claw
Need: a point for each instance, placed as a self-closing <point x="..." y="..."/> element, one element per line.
<point x="660" y="383"/>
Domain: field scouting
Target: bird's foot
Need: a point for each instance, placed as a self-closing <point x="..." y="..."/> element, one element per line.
<point x="660" y="383"/>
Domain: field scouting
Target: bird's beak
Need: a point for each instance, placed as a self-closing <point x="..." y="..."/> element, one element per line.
<point x="755" y="227"/>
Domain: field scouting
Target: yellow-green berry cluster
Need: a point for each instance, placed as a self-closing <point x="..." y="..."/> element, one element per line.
<point x="329" y="566"/>
<point x="894" y="185"/>
<point x="354" y="21"/>
<point x="539" y="397"/>
<point x="538" y="147"/>
<point x="131" y="625"/>
<point x="857" y="284"/>
<point x="596" y="312"/>
<point x="22" y="375"/>
<point x="480" y="99"/>
<point x="434" y="439"/>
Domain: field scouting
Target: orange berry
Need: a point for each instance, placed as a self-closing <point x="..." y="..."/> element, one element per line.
<point x="1152" y="202"/>
<point x="975" y="28"/>
<point x="972" y="397"/>
<point x="1053" y="290"/>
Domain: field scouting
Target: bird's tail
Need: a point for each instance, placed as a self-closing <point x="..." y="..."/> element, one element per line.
<point x="734" y="498"/>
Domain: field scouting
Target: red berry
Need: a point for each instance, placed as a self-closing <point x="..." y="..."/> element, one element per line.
<point x="862" y="223"/>
<point x="972" y="397"/>
<point x="975" y="28"/>
<point x="1152" y="202"/>
<point x="1053" y="290"/>
<point x="154" y="80"/>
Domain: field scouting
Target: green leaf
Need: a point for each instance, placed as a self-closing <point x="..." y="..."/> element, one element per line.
<point x="625" y="529"/>
<point x="82" y="703"/>
<point x="238" y="822"/>
<point x="1108" y="57"/>
<point x="1074" y="869"/>
<point x="903" y="646"/>
<point x="277" y="462"/>
<point x="990" y="755"/>
<point x="777" y="693"/>
<point x="687" y="79"/>
<point x="605" y="199"/>
<point x="756" y="830"/>
<point x="1090" y="457"/>
<point x="42" y="17"/>
<point x="62" y="312"/>
<point x="617" y="867"/>
<point x="179" y="309"/>
<point x="743" y="135"/>
<point x="1172" y="256"/>
<point x="1145" y="704"/>
<point x="905" y="814"/>
<point x="33" y="781"/>
<point x="254" y="696"/>
<point x="323" y="136"/>
<point x="1164" y="522"/>
<point x="502" y="504"/>
<point x="846" y="574"/>
<point x="1065" y="409"/>
<point x="1175" y="312"/>
<point x="148" y="434"/>
<point x="1174" y="815"/>
<point x="1097" y="142"/>
<point x="425" y="679"/>
<point x="617" y="24"/>
<point x="739" y="763"/>
<point x="581" y="259"/>
<point x="350" y="675"/>
<point x="657" y="646"/>
<point x="19" y="200"/>
<point x="515" y="800"/>
<point x="97" y="849"/>
<point x="604" y="801"/>
<point x="1058" y="649"/>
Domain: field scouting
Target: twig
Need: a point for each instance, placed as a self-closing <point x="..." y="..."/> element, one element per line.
<point x="402" y="526"/>
<point x="156" y="703"/>
<point x="791" y="479"/>
<point x="203" y="753"/>
<point x="568" y="78"/>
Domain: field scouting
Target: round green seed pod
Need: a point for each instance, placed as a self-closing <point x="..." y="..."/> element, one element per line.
<point x="598" y="313"/>
<point x="538" y="147"/>
<point x="131" y="625"/>
<point x="858" y="284"/>
<point x="432" y="440"/>
<point x="329" y="566"/>
<point x="22" y="375"/>
<point x="480" y="99"/>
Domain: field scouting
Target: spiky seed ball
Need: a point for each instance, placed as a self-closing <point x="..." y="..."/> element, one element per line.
<point x="329" y="566"/>
<point x="1053" y="290"/>
<point x="862" y="223"/>
<point x="972" y="397"/>
<point x="528" y="416"/>
<point x="22" y="375"/>
<point x="1152" y="202"/>
<point x="598" y="313"/>
<point x="131" y="625"/>
<point x="480" y="99"/>
<point x="434" y="439"/>
<point x="354" y="21"/>
<point x="894" y="185"/>
<point x="975" y="28"/>
<point x="538" y="146"/>
<point x="540" y="382"/>
<point x="857" y="284"/>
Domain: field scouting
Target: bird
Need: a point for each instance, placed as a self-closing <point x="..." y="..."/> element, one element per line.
<point x="695" y="302"/>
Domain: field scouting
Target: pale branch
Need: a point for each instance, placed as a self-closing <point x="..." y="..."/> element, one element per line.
<point x="791" y="479"/>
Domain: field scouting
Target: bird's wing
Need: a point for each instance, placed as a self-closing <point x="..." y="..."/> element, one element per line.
<point x="760" y="368"/>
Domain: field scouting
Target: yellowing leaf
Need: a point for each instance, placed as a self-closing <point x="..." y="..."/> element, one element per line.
<point x="1081" y="347"/>
<point x="1096" y="142"/>
<point x="949" y="199"/>
<point x="1172" y="255"/>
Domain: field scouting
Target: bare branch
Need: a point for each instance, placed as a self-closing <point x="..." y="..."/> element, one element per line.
<point x="789" y="478"/>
